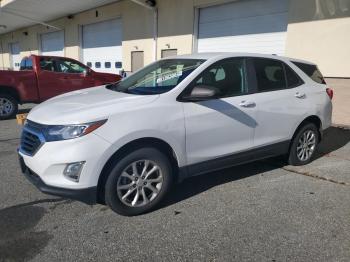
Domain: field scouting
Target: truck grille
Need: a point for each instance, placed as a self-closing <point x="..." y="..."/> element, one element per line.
<point x="31" y="140"/>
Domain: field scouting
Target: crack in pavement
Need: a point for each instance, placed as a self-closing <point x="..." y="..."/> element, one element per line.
<point x="9" y="139"/>
<point x="308" y="174"/>
<point x="316" y="176"/>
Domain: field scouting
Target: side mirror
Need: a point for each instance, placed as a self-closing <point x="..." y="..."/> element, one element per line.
<point x="86" y="72"/>
<point x="201" y="93"/>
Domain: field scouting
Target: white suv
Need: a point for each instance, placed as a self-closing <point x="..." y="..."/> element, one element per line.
<point x="124" y="144"/>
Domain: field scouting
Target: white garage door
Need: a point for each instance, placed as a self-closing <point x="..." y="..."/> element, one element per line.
<point x="52" y="44"/>
<point x="102" y="46"/>
<point x="15" y="57"/>
<point x="257" y="26"/>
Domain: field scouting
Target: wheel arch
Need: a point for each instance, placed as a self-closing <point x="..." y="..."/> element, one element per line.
<point x="310" y="119"/>
<point x="157" y="143"/>
<point x="10" y="91"/>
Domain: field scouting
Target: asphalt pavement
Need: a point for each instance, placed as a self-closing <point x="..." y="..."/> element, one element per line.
<point x="262" y="211"/>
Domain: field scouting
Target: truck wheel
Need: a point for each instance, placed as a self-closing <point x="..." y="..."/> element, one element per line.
<point x="8" y="107"/>
<point x="138" y="182"/>
<point x="304" y="145"/>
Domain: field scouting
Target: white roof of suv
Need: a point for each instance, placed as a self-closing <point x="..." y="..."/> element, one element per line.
<point x="221" y="55"/>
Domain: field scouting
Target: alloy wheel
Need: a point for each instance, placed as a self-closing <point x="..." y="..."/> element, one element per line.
<point x="6" y="107"/>
<point x="306" y="145"/>
<point x="140" y="183"/>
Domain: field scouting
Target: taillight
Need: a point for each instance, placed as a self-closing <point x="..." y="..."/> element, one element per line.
<point x="329" y="92"/>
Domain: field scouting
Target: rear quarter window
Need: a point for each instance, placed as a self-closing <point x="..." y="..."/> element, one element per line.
<point x="293" y="80"/>
<point x="312" y="71"/>
<point x="26" y="64"/>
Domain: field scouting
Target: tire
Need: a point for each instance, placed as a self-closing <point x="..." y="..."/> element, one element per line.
<point x="121" y="182"/>
<point x="301" y="153"/>
<point x="8" y="107"/>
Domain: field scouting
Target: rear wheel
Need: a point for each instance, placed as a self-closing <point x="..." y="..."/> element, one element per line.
<point x="8" y="107"/>
<point x="304" y="145"/>
<point x="138" y="182"/>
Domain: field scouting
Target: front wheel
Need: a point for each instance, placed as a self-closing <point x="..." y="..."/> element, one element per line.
<point x="138" y="182"/>
<point x="8" y="107"/>
<point x="304" y="145"/>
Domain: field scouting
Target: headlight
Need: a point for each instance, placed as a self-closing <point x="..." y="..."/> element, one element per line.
<point x="57" y="133"/>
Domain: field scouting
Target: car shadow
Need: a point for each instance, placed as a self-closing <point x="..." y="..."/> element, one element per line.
<point x="230" y="110"/>
<point x="199" y="184"/>
<point x="334" y="139"/>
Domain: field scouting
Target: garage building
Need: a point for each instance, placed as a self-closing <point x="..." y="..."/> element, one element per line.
<point x="108" y="35"/>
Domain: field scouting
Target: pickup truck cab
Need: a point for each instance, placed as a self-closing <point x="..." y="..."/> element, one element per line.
<point x="43" y="77"/>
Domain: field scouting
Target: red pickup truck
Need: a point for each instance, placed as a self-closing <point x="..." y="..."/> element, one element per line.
<point x="43" y="77"/>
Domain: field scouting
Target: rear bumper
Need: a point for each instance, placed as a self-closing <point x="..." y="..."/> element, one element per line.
<point x="85" y="195"/>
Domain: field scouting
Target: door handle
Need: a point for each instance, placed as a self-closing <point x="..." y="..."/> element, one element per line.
<point x="247" y="104"/>
<point x="300" y="95"/>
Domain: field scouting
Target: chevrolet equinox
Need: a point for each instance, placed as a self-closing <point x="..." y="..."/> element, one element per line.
<point x="126" y="143"/>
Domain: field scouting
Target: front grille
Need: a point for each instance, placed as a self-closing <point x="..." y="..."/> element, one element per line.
<point x="30" y="143"/>
<point x="31" y="140"/>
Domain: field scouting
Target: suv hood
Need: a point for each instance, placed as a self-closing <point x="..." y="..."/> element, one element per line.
<point x="86" y="105"/>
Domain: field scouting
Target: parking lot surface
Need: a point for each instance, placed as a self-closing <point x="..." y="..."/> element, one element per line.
<point x="262" y="211"/>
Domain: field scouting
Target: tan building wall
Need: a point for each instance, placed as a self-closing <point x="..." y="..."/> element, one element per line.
<point x="137" y="24"/>
<point x="319" y="37"/>
<point x="319" y="31"/>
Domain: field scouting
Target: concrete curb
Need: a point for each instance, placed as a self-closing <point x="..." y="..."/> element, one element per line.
<point x="347" y="127"/>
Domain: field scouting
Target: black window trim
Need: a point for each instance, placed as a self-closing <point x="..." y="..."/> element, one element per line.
<point x="284" y="64"/>
<point x="248" y="82"/>
<point x="301" y="81"/>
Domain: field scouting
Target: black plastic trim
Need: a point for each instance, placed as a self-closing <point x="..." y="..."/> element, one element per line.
<point x="252" y="155"/>
<point x="86" y="195"/>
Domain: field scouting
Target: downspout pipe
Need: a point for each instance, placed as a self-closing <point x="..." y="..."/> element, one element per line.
<point x="155" y="34"/>
<point x="2" y="54"/>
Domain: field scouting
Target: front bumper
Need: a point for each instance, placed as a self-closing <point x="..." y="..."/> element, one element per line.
<point x="85" y="195"/>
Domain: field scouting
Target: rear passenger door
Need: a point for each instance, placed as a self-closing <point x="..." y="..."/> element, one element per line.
<point x="280" y="100"/>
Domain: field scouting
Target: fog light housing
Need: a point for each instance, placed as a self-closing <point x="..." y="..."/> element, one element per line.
<point x="73" y="170"/>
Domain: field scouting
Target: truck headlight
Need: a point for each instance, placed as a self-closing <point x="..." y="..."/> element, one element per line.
<point x="65" y="132"/>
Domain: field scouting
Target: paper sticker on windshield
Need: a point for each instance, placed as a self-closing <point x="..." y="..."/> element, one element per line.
<point x="168" y="77"/>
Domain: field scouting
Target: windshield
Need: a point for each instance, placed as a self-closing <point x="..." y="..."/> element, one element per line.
<point x="157" y="78"/>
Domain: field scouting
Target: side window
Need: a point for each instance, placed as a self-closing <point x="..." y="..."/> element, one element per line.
<point x="269" y="74"/>
<point x="23" y="64"/>
<point x="312" y="71"/>
<point x="228" y="77"/>
<point x="47" y="64"/>
<point x="293" y="80"/>
<point x="29" y="64"/>
<point x="68" y="66"/>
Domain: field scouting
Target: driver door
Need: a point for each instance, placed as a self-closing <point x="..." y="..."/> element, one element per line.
<point x="59" y="75"/>
<point x="219" y="128"/>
